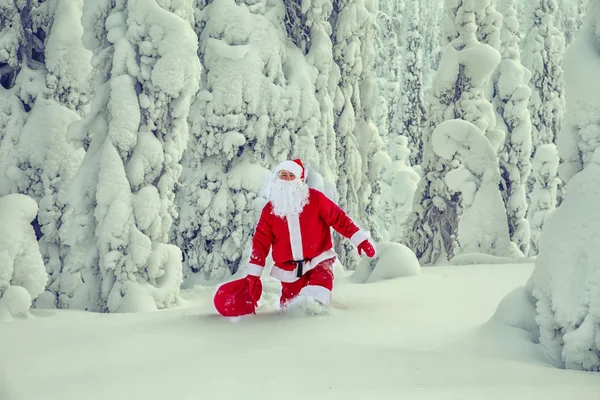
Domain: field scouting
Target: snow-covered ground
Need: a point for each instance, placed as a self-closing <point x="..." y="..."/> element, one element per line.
<point x="429" y="336"/>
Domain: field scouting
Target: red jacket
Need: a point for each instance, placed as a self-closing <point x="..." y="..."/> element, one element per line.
<point x="307" y="237"/>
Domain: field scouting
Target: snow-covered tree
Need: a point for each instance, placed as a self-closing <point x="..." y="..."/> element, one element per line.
<point x="510" y="99"/>
<point x="582" y="6"/>
<point x="432" y="17"/>
<point x="320" y="56"/>
<point x="566" y="18"/>
<point x="543" y="195"/>
<point x="359" y="145"/>
<point x="22" y="273"/>
<point x="580" y="134"/>
<point x="457" y="93"/>
<point x="22" y="77"/>
<point x="45" y="133"/>
<point x="398" y="186"/>
<point x="543" y="56"/>
<point x="387" y="70"/>
<point x="482" y="227"/>
<point x="489" y="25"/>
<point x="565" y="279"/>
<point x="50" y="73"/>
<point x="121" y="207"/>
<point x="412" y="109"/>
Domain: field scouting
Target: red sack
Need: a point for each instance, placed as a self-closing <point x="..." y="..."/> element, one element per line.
<point x="233" y="299"/>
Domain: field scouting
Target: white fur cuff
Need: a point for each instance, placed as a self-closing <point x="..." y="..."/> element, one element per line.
<point x="254" y="269"/>
<point x="319" y="293"/>
<point x="359" y="237"/>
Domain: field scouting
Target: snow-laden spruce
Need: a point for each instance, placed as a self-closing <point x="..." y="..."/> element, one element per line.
<point x="387" y="69"/>
<point x="482" y="227"/>
<point x="121" y="200"/>
<point x="411" y="115"/>
<point x="565" y="284"/>
<point x="50" y="81"/>
<point x="66" y="59"/>
<point x="320" y="55"/>
<point x="542" y="198"/>
<point x="458" y="93"/>
<point x="566" y="279"/>
<point x="580" y="133"/>
<point x="542" y="55"/>
<point x="568" y="18"/>
<point x="432" y="17"/>
<point x="22" y="273"/>
<point x="511" y="99"/>
<point x="359" y="151"/>
<point x="489" y="23"/>
<point x="398" y="186"/>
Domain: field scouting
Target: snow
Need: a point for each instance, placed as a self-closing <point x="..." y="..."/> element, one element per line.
<point x="421" y="337"/>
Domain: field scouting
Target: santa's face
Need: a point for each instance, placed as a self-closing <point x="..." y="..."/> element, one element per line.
<point x="288" y="195"/>
<point x="286" y="175"/>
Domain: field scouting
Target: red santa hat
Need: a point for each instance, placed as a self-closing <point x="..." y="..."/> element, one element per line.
<point x="294" y="166"/>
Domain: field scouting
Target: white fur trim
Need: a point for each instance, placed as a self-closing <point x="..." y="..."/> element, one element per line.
<point x="321" y="257"/>
<point x="293" y="222"/>
<point x="291" y="276"/>
<point x="359" y="237"/>
<point x="290" y="166"/>
<point x="254" y="269"/>
<point x="319" y="293"/>
<point x="283" y="275"/>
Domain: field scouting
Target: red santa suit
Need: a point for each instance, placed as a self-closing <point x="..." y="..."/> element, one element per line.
<point x="301" y="243"/>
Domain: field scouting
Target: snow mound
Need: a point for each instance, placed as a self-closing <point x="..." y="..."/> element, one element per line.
<point x="15" y="303"/>
<point x="22" y="273"/>
<point x="393" y="260"/>
<point x="517" y="310"/>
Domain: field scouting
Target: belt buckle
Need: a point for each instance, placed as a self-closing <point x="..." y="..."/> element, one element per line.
<point x="299" y="268"/>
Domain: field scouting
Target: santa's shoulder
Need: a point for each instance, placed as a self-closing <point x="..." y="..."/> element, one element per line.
<point x="267" y="208"/>
<point x="315" y="193"/>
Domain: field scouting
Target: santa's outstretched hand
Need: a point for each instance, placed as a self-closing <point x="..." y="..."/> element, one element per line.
<point x="366" y="247"/>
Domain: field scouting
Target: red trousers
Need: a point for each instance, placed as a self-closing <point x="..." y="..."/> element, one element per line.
<point x="321" y="275"/>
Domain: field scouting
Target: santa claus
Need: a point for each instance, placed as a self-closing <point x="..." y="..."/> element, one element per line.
<point x="295" y="224"/>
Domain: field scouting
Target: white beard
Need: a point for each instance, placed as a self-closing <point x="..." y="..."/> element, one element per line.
<point x="288" y="197"/>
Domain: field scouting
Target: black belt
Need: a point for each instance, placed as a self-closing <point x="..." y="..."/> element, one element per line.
<point x="299" y="266"/>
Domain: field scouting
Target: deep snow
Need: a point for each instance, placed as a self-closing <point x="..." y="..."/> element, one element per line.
<point x="427" y="336"/>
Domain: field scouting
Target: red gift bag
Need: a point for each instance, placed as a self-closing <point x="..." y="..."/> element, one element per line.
<point x="233" y="299"/>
